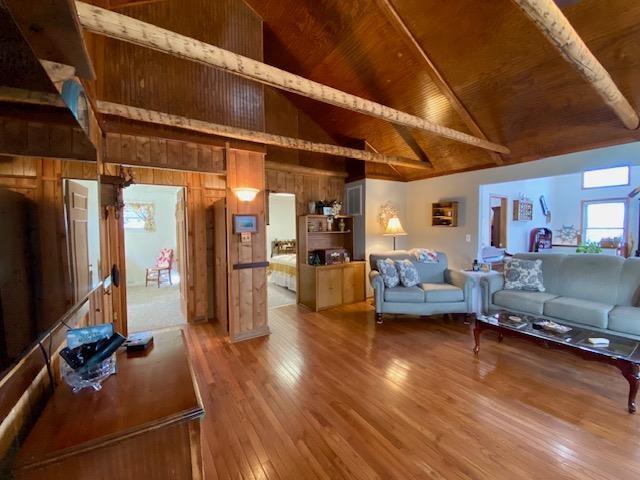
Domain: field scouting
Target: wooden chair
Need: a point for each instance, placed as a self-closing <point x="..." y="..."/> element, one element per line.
<point x="162" y="268"/>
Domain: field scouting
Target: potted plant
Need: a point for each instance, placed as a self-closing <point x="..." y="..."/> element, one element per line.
<point x="589" y="247"/>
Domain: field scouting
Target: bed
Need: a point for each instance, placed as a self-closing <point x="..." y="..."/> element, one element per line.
<point x="283" y="267"/>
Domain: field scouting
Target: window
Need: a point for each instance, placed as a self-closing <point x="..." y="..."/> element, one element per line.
<point x="606" y="177"/>
<point x="604" y="220"/>
<point x="139" y="216"/>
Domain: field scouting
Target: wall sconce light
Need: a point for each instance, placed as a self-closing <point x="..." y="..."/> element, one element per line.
<point x="245" y="194"/>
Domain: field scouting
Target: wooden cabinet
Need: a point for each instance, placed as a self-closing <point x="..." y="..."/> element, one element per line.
<point x="144" y="423"/>
<point x="353" y="288"/>
<point x="327" y="286"/>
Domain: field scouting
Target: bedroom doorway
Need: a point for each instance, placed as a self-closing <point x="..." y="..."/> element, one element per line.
<point x="281" y="250"/>
<point x="155" y="232"/>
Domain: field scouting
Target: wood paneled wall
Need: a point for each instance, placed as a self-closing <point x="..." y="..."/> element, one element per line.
<point x="283" y="118"/>
<point x="163" y="153"/>
<point x="138" y="76"/>
<point x="202" y="191"/>
<point x="33" y="138"/>
<point x="307" y="184"/>
<point x="246" y="286"/>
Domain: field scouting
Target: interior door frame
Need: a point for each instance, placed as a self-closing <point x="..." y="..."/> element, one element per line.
<point x="504" y="206"/>
<point x="267" y="221"/>
<point x="121" y="232"/>
<point x="182" y="255"/>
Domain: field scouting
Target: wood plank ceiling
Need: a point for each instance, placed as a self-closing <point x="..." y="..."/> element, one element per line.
<point x="512" y="81"/>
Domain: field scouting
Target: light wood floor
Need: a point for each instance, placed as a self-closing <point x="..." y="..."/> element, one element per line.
<point x="331" y="395"/>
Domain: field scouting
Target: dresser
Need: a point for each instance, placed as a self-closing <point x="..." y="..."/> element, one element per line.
<point x="143" y="424"/>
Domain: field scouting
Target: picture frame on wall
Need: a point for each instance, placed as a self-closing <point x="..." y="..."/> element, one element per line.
<point x="244" y="223"/>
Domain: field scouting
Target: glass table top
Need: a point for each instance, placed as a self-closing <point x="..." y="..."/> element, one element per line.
<point x="577" y="337"/>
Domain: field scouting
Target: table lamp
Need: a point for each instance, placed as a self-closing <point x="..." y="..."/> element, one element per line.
<point x="394" y="229"/>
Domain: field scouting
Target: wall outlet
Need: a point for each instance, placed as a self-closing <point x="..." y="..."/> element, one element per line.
<point x="467" y="237"/>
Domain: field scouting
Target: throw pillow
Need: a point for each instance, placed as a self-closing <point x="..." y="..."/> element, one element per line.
<point x="408" y="273"/>
<point x="424" y="255"/>
<point x="389" y="273"/>
<point x="522" y="274"/>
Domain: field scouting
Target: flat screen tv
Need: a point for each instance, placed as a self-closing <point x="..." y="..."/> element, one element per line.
<point x="35" y="284"/>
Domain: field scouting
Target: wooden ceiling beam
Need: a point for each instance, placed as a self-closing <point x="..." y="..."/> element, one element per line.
<point x="52" y="29"/>
<point x="556" y="27"/>
<point x="166" y="119"/>
<point x="58" y="72"/>
<point x="115" y="25"/>
<point x="401" y="27"/>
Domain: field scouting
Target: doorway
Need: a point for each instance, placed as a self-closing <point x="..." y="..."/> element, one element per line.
<point x="154" y="220"/>
<point x="498" y="221"/>
<point x="281" y="250"/>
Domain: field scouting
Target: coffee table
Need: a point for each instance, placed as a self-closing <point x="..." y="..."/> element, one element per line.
<point x="622" y="352"/>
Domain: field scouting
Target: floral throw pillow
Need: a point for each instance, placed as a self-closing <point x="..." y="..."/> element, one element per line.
<point x="408" y="273"/>
<point x="522" y="274"/>
<point x="424" y="255"/>
<point x="389" y="273"/>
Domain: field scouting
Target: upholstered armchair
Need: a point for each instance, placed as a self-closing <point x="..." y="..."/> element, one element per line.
<point x="441" y="290"/>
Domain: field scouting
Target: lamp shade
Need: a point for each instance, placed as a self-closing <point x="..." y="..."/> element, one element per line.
<point x="394" y="227"/>
<point x="245" y="194"/>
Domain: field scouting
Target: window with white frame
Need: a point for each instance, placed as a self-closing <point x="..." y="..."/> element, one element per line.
<point x="139" y="216"/>
<point x="604" y="221"/>
<point x="605" y="177"/>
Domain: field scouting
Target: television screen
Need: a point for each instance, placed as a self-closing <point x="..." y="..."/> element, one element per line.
<point x="47" y="252"/>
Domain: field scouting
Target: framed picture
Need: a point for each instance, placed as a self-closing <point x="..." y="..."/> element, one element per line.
<point x="245" y="223"/>
<point x="522" y="211"/>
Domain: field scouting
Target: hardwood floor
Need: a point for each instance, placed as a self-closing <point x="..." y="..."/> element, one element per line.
<point x="330" y="395"/>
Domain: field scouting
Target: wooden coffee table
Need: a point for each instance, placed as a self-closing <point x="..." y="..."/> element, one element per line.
<point x="622" y="352"/>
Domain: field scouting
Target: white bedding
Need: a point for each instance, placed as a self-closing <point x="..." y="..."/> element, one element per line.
<point x="282" y="270"/>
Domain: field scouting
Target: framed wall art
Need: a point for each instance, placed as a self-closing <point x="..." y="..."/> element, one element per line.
<point x="245" y="223"/>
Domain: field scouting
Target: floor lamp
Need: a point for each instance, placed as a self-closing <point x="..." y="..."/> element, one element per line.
<point x="394" y="229"/>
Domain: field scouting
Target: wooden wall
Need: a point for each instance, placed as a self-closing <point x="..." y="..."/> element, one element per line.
<point x="164" y="153"/>
<point x="138" y="76"/>
<point x="283" y="118"/>
<point x="33" y="138"/>
<point x="202" y="191"/>
<point x="246" y="286"/>
<point x="308" y="184"/>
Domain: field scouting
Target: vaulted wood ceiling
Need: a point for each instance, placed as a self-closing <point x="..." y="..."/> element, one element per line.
<point x="512" y="81"/>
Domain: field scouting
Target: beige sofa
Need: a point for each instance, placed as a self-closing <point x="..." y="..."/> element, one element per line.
<point x="600" y="292"/>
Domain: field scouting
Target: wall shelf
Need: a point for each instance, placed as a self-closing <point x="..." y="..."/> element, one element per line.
<point x="444" y="214"/>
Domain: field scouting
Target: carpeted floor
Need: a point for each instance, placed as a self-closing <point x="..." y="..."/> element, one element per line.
<point x="151" y="308"/>
<point x="278" y="296"/>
